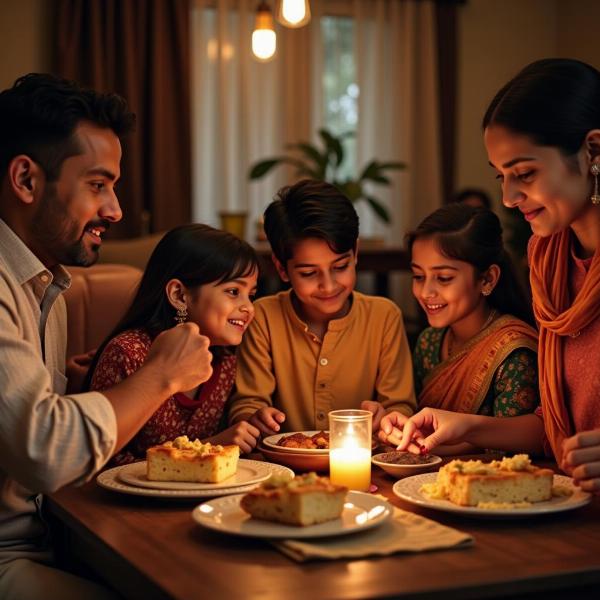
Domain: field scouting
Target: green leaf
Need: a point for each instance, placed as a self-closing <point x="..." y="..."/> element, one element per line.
<point x="333" y="145"/>
<point x="392" y="165"/>
<point x="350" y="188"/>
<point x="261" y="168"/>
<point x="370" y="170"/>
<point x="380" y="210"/>
<point x="312" y="153"/>
<point x="378" y="178"/>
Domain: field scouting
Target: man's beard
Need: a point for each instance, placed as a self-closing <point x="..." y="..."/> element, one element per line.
<point x="56" y="232"/>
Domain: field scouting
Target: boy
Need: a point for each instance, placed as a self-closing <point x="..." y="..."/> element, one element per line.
<point x="319" y="346"/>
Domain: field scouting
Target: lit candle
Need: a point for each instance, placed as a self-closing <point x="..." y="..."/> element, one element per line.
<point x="350" y="448"/>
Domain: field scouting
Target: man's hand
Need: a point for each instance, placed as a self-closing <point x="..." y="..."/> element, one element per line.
<point x="180" y="356"/>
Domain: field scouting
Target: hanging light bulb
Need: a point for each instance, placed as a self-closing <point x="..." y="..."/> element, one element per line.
<point x="264" y="40"/>
<point x="293" y="13"/>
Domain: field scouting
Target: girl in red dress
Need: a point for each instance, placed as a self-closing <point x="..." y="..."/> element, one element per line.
<point x="198" y="274"/>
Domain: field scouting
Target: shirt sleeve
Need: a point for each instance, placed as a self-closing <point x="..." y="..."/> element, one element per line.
<point x="47" y="440"/>
<point x="516" y="389"/>
<point x="394" y="385"/>
<point x="254" y="381"/>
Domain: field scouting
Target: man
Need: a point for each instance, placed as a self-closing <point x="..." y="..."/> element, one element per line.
<point x="60" y="153"/>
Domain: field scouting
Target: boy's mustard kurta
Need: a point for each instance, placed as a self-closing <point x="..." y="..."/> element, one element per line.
<point x="363" y="356"/>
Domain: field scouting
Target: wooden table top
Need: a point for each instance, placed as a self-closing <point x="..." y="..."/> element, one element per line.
<point x="151" y="548"/>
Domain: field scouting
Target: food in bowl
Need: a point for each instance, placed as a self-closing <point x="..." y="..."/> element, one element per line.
<point x="318" y="441"/>
<point x="304" y="500"/>
<point x="406" y="458"/>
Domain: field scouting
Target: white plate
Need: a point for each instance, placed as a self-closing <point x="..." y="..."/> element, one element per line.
<point x="361" y="511"/>
<point x="248" y="471"/>
<point x="408" y="489"/>
<point x="271" y="442"/>
<point x="110" y="480"/>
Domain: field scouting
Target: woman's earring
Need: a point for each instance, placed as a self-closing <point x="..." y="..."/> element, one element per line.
<point x="595" y="171"/>
<point x="486" y="292"/>
<point x="182" y="315"/>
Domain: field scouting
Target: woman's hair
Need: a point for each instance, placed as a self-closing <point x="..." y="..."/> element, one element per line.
<point x="196" y="255"/>
<point x="474" y="235"/>
<point x="554" y="101"/>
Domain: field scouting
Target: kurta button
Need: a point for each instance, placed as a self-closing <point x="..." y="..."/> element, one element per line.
<point x="320" y="416"/>
<point x="323" y="362"/>
<point x="322" y="385"/>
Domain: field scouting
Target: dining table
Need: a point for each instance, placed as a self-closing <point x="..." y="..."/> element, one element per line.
<point x="148" y="547"/>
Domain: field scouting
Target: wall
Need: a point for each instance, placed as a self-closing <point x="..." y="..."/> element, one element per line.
<point x="24" y="38"/>
<point x="496" y="38"/>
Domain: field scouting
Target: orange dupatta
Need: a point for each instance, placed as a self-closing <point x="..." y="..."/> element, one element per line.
<point x="461" y="382"/>
<point x="549" y="275"/>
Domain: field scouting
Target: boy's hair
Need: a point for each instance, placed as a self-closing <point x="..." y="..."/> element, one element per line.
<point x="310" y="209"/>
<point x="40" y="112"/>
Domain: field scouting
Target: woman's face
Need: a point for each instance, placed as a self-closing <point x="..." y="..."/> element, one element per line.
<point x="448" y="290"/>
<point x="551" y="191"/>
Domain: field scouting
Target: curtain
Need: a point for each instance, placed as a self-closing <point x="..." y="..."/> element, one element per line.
<point x="141" y="50"/>
<point x="244" y="111"/>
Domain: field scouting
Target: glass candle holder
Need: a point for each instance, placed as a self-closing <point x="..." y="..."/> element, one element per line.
<point x="350" y="448"/>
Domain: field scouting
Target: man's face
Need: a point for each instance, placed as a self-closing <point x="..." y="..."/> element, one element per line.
<point x="74" y="211"/>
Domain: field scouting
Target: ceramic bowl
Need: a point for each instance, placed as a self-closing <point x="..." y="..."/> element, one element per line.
<point x="295" y="461"/>
<point x="423" y="464"/>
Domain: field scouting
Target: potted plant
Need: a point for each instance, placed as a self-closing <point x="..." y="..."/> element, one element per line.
<point x="324" y="163"/>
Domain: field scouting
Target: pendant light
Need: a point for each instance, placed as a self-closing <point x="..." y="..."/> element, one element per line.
<point x="293" y="13"/>
<point x="264" y="40"/>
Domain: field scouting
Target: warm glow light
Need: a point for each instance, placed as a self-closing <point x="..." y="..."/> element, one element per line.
<point x="264" y="44"/>
<point x="293" y="13"/>
<point x="264" y="40"/>
<point x="350" y="448"/>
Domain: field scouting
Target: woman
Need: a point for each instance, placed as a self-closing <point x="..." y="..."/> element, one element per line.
<point x="542" y="134"/>
<point x="199" y="274"/>
<point x="480" y="354"/>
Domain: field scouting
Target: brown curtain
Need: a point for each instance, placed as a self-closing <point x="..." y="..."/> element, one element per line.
<point x="139" y="49"/>
<point x="446" y="13"/>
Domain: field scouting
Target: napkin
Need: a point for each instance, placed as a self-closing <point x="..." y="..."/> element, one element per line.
<point x="403" y="532"/>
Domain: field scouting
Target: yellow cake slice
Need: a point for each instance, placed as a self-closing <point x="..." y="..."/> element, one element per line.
<point x="488" y="485"/>
<point x="184" y="460"/>
<point x="305" y="500"/>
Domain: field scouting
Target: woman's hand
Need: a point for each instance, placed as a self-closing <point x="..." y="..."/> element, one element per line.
<point x="377" y="410"/>
<point x="426" y="429"/>
<point x="267" y="420"/>
<point x="242" y="434"/>
<point x="581" y="459"/>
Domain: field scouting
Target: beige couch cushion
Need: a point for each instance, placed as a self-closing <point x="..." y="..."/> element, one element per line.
<point x="96" y="301"/>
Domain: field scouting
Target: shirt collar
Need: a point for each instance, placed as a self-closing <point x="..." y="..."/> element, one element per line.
<point x="24" y="264"/>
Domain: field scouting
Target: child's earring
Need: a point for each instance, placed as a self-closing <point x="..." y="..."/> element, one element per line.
<point x="182" y="315"/>
<point x="595" y="171"/>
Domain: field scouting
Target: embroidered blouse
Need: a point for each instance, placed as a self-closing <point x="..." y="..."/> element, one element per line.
<point x="198" y="417"/>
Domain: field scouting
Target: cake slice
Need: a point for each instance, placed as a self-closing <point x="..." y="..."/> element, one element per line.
<point x="509" y="481"/>
<point x="305" y="500"/>
<point x="184" y="460"/>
